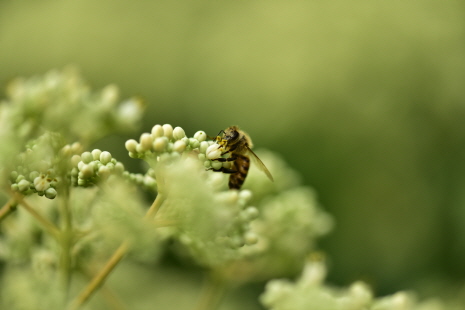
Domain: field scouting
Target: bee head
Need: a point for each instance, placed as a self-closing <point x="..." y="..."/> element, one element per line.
<point x="231" y="134"/>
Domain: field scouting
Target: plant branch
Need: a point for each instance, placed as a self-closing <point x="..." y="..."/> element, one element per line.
<point x="212" y="292"/>
<point x="7" y="209"/>
<point x="100" y="278"/>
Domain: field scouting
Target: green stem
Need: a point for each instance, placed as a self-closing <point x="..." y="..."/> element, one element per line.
<point x="7" y="209"/>
<point x="100" y="278"/>
<point x="66" y="241"/>
<point x="213" y="292"/>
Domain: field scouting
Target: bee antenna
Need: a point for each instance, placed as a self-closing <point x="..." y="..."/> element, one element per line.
<point x="221" y="131"/>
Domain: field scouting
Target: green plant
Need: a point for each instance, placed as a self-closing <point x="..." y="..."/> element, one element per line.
<point x="72" y="214"/>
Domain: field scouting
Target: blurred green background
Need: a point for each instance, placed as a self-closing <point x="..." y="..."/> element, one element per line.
<point x="365" y="98"/>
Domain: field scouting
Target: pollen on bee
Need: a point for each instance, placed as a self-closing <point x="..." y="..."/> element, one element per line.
<point x="227" y="164"/>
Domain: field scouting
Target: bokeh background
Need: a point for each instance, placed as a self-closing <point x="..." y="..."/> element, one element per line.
<point x="365" y="98"/>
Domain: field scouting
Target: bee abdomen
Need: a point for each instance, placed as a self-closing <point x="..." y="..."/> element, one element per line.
<point x="241" y="165"/>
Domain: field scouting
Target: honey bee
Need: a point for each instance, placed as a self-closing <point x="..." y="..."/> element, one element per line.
<point x="238" y="144"/>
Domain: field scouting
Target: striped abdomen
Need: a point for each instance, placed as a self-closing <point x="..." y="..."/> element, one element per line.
<point x="241" y="165"/>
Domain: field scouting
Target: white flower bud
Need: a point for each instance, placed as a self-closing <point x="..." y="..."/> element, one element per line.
<point x="41" y="183"/>
<point x="159" y="144"/>
<point x="200" y="136"/>
<point x="105" y="157"/>
<point x="86" y="157"/>
<point x="145" y="142"/>
<point x="157" y="131"/>
<point x="179" y="146"/>
<point x="168" y="131"/>
<point x="96" y="154"/>
<point x="213" y="151"/>
<point x="131" y="145"/>
<point x="178" y="133"/>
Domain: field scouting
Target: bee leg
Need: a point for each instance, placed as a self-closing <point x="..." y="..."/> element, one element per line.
<point x="225" y="159"/>
<point x="223" y="169"/>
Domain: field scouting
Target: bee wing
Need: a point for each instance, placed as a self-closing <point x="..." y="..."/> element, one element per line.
<point x="260" y="164"/>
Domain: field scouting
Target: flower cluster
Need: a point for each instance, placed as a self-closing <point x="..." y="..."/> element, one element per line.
<point x="37" y="168"/>
<point x="210" y="223"/>
<point x="60" y="101"/>
<point x="165" y="142"/>
<point x="90" y="167"/>
<point x="310" y="292"/>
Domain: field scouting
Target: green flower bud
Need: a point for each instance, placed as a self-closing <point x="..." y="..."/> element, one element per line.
<point x="105" y="157"/>
<point x="50" y="193"/>
<point x="20" y="178"/>
<point x="216" y="165"/>
<point x="203" y="147"/>
<point x="194" y="143"/>
<point x="33" y="175"/>
<point x="23" y="185"/>
<point x="250" y="238"/>
<point x="119" y="168"/>
<point x="86" y="157"/>
<point x="96" y="154"/>
<point x="251" y="213"/>
<point x="87" y="171"/>
<point x="14" y="187"/>
<point x="104" y="171"/>
<point x="13" y="176"/>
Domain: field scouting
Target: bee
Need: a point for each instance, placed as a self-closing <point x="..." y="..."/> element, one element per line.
<point x="238" y="144"/>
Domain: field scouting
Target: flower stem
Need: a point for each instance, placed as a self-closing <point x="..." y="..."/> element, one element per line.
<point x="7" y="209"/>
<point x="100" y="278"/>
<point x="213" y="292"/>
<point x="66" y="241"/>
